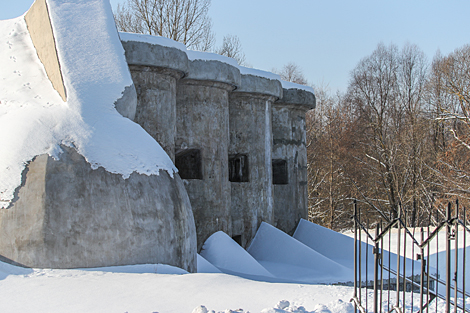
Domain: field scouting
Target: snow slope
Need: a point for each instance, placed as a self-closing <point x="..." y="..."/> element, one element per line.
<point x="33" y="118"/>
<point x="287" y="258"/>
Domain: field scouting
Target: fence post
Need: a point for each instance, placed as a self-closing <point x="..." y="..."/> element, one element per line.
<point x="376" y="268"/>
<point x="456" y="264"/>
<point x="448" y="260"/>
<point x="355" y="254"/>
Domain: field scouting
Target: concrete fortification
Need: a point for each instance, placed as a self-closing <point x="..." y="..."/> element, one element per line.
<point x="236" y="137"/>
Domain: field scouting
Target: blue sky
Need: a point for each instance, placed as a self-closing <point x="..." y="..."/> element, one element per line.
<point x="326" y="38"/>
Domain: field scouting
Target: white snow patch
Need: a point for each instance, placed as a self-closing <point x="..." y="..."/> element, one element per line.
<point x="33" y="118"/>
<point x="209" y="56"/>
<point x="154" y="40"/>
<point x="259" y="73"/>
<point x="228" y="256"/>
<point x="204" y="266"/>
<point x="291" y="85"/>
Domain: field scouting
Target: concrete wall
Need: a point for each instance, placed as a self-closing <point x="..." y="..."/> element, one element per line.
<point x="202" y="103"/>
<point x="155" y="70"/>
<point x="40" y="30"/>
<point x="67" y="215"/>
<point x="251" y="136"/>
<point x="289" y="144"/>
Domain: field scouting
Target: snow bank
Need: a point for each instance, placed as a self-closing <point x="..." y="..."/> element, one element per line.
<point x="33" y="118"/>
<point x="228" y="256"/>
<point x="285" y="257"/>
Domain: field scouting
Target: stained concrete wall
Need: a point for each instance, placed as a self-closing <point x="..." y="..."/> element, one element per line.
<point x="67" y="215"/>
<point x="289" y="143"/>
<point x="155" y="70"/>
<point x="251" y="136"/>
<point x="40" y="29"/>
<point x="202" y="103"/>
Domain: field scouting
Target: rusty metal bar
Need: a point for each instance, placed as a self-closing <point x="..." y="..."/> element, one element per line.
<point x="355" y="254"/>
<point x="448" y="260"/>
<point x="376" y="270"/>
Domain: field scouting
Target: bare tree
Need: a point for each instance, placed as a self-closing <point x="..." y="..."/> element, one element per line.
<point x="232" y="48"/>
<point x="185" y="21"/>
<point x="291" y="72"/>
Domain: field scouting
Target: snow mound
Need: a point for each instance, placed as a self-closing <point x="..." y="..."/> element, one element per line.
<point x="287" y="258"/>
<point x="33" y="118"/>
<point x="228" y="256"/>
<point x="204" y="266"/>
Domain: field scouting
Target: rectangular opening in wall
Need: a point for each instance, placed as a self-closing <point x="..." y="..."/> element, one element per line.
<point x="280" y="176"/>
<point x="189" y="163"/>
<point x="238" y="168"/>
<point x="238" y="239"/>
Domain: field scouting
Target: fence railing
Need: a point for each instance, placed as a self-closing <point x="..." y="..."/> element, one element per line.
<point x="414" y="272"/>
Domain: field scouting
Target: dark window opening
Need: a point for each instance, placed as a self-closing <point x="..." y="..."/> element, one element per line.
<point x="238" y="168"/>
<point x="280" y="176"/>
<point x="238" y="239"/>
<point x="189" y="164"/>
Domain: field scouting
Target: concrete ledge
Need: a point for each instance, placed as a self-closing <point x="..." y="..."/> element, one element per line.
<point x="297" y="98"/>
<point x="40" y="29"/>
<point x="260" y="85"/>
<point x="214" y="71"/>
<point x="146" y="54"/>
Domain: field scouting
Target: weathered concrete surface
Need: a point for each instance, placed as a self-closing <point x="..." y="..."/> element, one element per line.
<point x="214" y="71"/>
<point x="40" y="30"/>
<point x="251" y="135"/>
<point x="203" y="124"/>
<point x="260" y="85"/>
<point x="127" y="104"/>
<point x="67" y="215"/>
<point x="155" y="71"/>
<point x="156" y="108"/>
<point x="146" y="54"/>
<point x="289" y="143"/>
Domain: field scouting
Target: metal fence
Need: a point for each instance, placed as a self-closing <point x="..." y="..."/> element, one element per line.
<point x="413" y="272"/>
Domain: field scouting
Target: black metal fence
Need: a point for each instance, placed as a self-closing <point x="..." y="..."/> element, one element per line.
<point x="414" y="272"/>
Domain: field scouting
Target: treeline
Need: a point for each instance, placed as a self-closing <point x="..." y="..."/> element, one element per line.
<point x="398" y="138"/>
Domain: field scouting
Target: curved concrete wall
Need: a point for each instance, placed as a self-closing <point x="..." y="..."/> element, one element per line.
<point x="68" y="215"/>
<point x="289" y="144"/>
<point x="251" y="139"/>
<point x="202" y="103"/>
<point x="155" y="70"/>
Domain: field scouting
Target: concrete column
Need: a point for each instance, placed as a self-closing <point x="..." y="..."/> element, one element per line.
<point x="202" y="113"/>
<point x="290" y="158"/>
<point x="250" y="155"/>
<point x="155" y="70"/>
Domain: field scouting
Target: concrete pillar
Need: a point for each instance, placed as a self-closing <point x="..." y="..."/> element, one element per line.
<point x="290" y="158"/>
<point x="202" y="106"/>
<point x="250" y="170"/>
<point x="155" y="70"/>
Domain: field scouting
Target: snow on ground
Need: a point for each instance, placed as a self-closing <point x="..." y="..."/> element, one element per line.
<point x="163" y="288"/>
